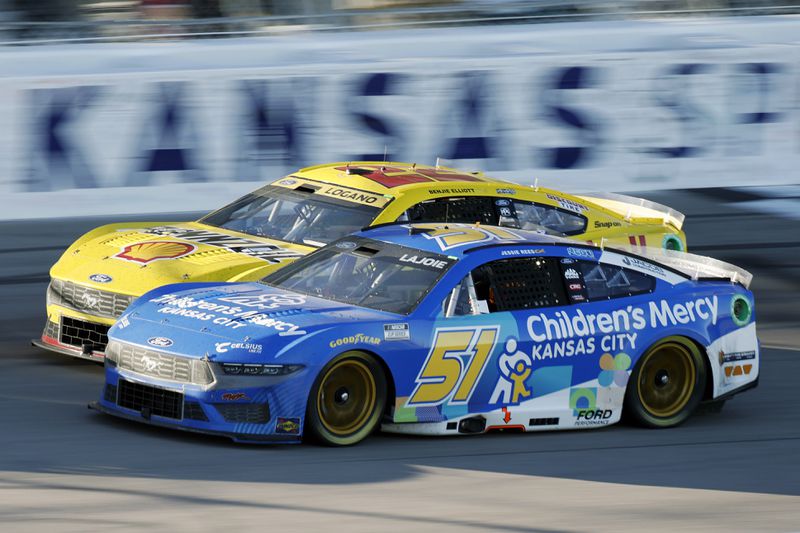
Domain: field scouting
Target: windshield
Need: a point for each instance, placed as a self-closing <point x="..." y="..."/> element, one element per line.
<point x="302" y="216"/>
<point x="364" y="272"/>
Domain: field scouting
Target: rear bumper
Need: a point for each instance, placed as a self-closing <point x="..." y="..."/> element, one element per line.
<point x="730" y="394"/>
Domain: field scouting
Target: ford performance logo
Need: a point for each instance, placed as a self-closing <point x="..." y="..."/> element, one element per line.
<point x="101" y="278"/>
<point x="161" y="342"/>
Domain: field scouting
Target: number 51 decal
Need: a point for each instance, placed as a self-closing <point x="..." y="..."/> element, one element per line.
<point x="454" y="365"/>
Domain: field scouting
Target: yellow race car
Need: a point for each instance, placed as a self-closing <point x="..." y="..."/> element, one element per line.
<point x="106" y="269"/>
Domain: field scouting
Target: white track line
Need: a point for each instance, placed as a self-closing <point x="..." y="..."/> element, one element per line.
<point x="779" y="347"/>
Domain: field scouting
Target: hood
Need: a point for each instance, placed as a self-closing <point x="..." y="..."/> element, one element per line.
<point x="135" y="258"/>
<point x="234" y="321"/>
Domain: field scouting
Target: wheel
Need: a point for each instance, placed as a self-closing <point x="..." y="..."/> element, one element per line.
<point x="347" y="400"/>
<point x="667" y="384"/>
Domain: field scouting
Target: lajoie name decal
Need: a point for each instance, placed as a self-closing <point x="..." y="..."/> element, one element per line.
<point x="421" y="260"/>
<point x="240" y="245"/>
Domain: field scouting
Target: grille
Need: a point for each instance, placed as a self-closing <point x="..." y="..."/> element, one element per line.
<point x="159" y="402"/>
<point x="79" y="332"/>
<point x="193" y="411"/>
<point x="51" y="330"/>
<point x="87" y="299"/>
<point x="110" y="394"/>
<point x="160" y="365"/>
<point x="254" y="413"/>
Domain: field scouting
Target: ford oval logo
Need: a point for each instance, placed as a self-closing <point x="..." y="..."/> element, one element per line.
<point x="101" y="278"/>
<point x="161" y="342"/>
<point x="346" y="245"/>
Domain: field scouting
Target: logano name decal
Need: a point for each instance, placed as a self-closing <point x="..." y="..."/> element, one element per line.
<point x="564" y="334"/>
<point x="240" y="245"/>
<point x="354" y="196"/>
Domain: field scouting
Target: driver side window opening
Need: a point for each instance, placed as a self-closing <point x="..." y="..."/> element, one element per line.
<point x="508" y="285"/>
<point x="466" y="210"/>
<point x="506" y="212"/>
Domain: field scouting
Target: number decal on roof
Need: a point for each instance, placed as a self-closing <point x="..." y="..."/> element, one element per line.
<point x="389" y="176"/>
<point x="449" y="236"/>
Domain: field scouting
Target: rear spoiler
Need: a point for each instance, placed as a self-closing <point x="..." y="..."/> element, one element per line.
<point x="632" y="207"/>
<point x="691" y="265"/>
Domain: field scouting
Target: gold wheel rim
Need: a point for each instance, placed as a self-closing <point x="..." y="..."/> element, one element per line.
<point x="666" y="380"/>
<point x="346" y="397"/>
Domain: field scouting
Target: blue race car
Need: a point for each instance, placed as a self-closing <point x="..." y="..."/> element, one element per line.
<point x="437" y="329"/>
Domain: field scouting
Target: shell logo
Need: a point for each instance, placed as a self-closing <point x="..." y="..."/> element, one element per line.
<point x="145" y="252"/>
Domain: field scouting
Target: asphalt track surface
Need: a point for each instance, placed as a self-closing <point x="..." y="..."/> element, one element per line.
<point x="65" y="468"/>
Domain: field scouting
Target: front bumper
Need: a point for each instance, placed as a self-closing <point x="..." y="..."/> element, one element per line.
<point x="77" y="336"/>
<point x="272" y="414"/>
<point x="236" y="437"/>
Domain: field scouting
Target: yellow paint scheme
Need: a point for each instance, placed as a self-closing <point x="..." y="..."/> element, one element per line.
<point x="98" y="252"/>
<point x="608" y="220"/>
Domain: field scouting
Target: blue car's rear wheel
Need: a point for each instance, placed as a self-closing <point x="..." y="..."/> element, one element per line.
<point x="347" y="400"/>
<point x="667" y="384"/>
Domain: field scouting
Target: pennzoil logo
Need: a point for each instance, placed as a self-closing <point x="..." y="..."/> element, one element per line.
<point x="145" y="252"/>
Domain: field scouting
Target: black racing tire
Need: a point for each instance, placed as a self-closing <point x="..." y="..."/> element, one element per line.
<point x="666" y="385"/>
<point x="347" y="400"/>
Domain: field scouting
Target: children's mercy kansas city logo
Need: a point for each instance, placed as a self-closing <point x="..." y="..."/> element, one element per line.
<point x="515" y="367"/>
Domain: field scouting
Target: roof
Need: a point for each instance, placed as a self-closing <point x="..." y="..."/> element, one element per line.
<point x="391" y="177"/>
<point x="457" y="239"/>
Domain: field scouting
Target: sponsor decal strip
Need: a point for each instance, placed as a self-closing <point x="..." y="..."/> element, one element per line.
<point x="223" y="315"/>
<point x="358" y="338"/>
<point x="337" y="191"/>
<point x="266" y="252"/>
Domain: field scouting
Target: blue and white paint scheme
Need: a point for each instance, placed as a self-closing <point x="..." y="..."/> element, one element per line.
<point x="560" y="364"/>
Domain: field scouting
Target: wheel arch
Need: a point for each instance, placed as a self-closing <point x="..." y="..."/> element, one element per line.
<point x="708" y="386"/>
<point x="697" y="342"/>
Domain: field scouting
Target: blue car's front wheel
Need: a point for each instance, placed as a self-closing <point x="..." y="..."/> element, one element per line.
<point x="347" y="400"/>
